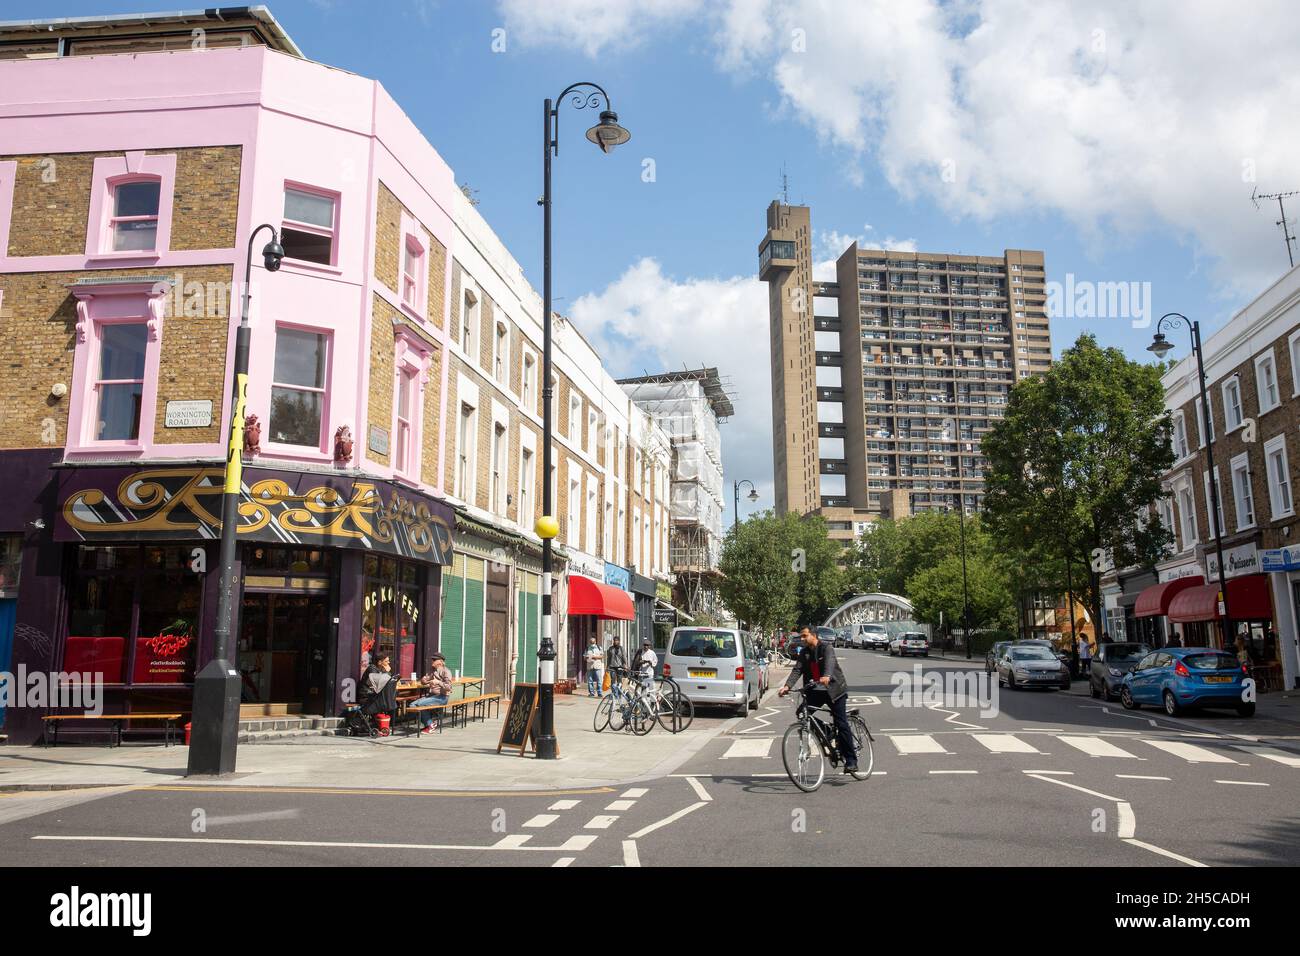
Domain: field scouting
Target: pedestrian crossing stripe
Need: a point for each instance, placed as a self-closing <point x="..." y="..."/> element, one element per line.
<point x="1190" y="752"/>
<point x="909" y="744"/>
<point x="1096" y="747"/>
<point x="749" y="747"/>
<point x="1006" y="744"/>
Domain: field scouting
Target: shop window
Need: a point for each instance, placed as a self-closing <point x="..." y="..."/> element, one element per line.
<point x="310" y="225"/>
<point x="298" y="386"/>
<point x="133" y="615"/>
<point x="391" y="611"/>
<point x="119" y="380"/>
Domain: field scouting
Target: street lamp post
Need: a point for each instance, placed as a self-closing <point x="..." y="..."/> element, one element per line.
<point x="752" y="496"/>
<point x="1160" y="347"/>
<point x="215" y="710"/>
<point x="961" y="519"/>
<point x="606" y="134"/>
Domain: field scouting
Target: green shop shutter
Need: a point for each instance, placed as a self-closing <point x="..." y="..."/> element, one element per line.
<point x="453" y="612"/>
<point x="534" y="627"/>
<point x="472" y="660"/>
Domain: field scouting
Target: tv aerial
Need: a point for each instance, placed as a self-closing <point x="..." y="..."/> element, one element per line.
<point x="1287" y="236"/>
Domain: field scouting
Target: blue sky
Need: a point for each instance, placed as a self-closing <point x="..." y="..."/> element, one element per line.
<point x="1122" y="141"/>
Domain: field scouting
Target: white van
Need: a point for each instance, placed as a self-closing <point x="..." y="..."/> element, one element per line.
<point x="715" y="665"/>
<point x="872" y="637"/>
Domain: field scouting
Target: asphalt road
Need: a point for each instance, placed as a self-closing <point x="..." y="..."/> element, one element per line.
<point x="1051" y="778"/>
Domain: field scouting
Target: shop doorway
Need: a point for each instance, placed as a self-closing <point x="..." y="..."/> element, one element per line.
<point x="283" y="653"/>
<point x="496" y="638"/>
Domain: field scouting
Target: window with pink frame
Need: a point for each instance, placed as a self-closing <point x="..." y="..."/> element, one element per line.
<point x="298" y="386"/>
<point x="413" y="274"/>
<point x="133" y="218"/>
<point x="310" y="224"/>
<point x="119" y="380"/>
<point x="405" y="458"/>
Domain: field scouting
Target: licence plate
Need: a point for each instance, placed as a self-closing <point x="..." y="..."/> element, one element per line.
<point x="697" y="672"/>
<point x="1218" y="680"/>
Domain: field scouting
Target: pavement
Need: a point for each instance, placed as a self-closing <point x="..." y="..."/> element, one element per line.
<point x="459" y="759"/>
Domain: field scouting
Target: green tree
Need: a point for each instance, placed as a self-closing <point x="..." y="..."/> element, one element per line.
<point x="1075" y="465"/>
<point x="780" y="571"/>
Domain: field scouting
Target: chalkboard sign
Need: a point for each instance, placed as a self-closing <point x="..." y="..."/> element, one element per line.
<point x="517" y="731"/>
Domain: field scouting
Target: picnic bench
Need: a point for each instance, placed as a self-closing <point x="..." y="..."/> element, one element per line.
<point x="465" y="708"/>
<point x="54" y="721"/>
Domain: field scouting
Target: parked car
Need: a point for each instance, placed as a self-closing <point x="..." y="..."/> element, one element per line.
<point x="991" y="658"/>
<point x="1056" y="651"/>
<point x="910" y="642"/>
<point x="873" y="636"/>
<point x="1025" y="664"/>
<point x="715" y="665"/>
<point x="1109" y="665"/>
<point x="1179" y="678"/>
<point x="762" y="675"/>
<point x="841" y="638"/>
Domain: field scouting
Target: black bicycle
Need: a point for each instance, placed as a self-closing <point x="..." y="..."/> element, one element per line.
<point x="810" y="742"/>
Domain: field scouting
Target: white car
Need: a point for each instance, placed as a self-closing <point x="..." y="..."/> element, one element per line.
<point x="872" y="636"/>
<point x="910" y="642"/>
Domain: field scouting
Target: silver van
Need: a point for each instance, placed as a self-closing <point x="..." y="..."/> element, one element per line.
<point x="715" y="665"/>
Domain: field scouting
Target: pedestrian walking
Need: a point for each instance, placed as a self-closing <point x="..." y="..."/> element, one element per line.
<point x="1085" y="658"/>
<point x="595" y="657"/>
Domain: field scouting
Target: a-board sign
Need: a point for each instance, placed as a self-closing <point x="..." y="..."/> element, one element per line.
<point x="517" y="732"/>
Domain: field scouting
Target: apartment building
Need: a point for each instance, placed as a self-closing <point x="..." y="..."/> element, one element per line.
<point x="392" y="462"/>
<point x="885" y="380"/>
<point x="1252" y="370"/>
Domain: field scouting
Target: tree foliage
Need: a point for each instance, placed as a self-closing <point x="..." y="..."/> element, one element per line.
<point x="1075" y="465"/>
<point x="781" y="571"/>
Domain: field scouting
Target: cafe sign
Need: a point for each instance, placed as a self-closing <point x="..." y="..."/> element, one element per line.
<point x="1243" y="559"/>
<point x="275" y="507"/>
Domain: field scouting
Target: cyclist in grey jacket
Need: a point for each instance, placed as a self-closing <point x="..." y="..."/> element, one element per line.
<point x="817" y="665"/>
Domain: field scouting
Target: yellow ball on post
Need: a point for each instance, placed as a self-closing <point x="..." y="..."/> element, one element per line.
<point x="546" y="527"/>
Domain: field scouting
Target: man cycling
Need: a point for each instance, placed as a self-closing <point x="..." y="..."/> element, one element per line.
<point x="820" y="671"/>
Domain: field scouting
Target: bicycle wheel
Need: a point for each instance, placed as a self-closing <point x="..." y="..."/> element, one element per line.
<point x="642" y="719"/>
<point x="618" y="712"/>
<point x="675" y="712"/>
<point x="600" y="719"/>
<point x="862" y="741"/>
<point x="804" y="757"/>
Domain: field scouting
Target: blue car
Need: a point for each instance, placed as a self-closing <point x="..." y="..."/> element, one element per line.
<point x="1179" y="678"/>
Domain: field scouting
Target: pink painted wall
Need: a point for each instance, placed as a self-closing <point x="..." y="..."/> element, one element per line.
<point x="296" y="121"/>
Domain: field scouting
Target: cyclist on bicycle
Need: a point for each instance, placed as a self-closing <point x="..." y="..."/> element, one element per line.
<point x="826" y="685"/>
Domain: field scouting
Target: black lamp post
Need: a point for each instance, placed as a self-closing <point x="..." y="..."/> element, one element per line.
<point x="215" y="711"/>
<point x="752" y="496"/>
<point x="1160" y="347"/>
<point x="961" y="519"/>
<point x="606" y="134"/>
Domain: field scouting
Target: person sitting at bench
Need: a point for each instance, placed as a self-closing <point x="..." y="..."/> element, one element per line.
<point x="437" y="684"/>
<point x="378" y="691"/>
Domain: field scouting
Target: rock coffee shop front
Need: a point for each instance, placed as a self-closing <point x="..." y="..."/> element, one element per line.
<point x="120" y="574"/>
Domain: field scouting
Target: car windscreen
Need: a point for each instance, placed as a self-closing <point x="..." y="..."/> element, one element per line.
<point x="703" y="644"/>
<point x="1211" y="662"/>
<point x="1032" y="654"/>
<point x="1126" y="653"/>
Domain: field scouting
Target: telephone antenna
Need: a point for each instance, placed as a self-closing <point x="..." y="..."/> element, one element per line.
<point x="785" y="187"/>
<point x="1287" y="236"/>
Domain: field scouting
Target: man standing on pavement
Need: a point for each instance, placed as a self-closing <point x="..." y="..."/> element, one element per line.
<point x="645" y="662"/>
<point x="1085" y="657"/>
<point x="615" y="660"/>
<point x="817" y="665"/>
<point x="594" y="657"/>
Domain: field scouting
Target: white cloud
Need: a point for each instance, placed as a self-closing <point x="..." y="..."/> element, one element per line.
<point x="1119" y="118"/>
<point x="646" y="321"/>
<point x="829" y="245"/>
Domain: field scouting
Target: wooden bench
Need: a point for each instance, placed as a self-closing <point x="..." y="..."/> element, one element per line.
<point x="481" y="703"/>
<point x="169" y="725"/>
<point x="450" y="706"/>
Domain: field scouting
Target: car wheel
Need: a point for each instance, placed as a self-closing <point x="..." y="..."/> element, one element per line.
<point x="1011" y="682"/>
<point x="1126" y="698"/>
<point x="753" y="704"/>
<point x="1105" y="692"/>
<point x="1093" y="692"/>
<point x="1246" y="709"/>
<point x="1172" y="707"/>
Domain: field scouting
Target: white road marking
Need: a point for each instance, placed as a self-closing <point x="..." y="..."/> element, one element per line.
<point x="699" y="789"/>
<point x="580" y="842"/>
<point x="672" y="818"/>
<point x="1053" y="773"/>
<point x="952" y="718"/>
<point x="897" y="730"/>
<point x="601" y="822"/>
<point x="562" y="861"/>
<point x="1075" y="786"/>
<point x="1137" y="776"/>
<point x="621" y="805"/>
<point x="1268" y="753"/>
<point x="1005" y="744"/>
<point x="634" y="793"/>
<point x="573" y="843"/>
<point x="1127" y="824"/>
<point x="757" y="747"/>
<point x="1096" y="747"/>
<point x="954" y="771"/>
<point x="1189" y="752"/>
<point x="512" y="841"/>
<point x="254" y="817"/>
<point x="630" y="855"/>
<point x="542" y="820"/>
<point x="763" y="722"/>
<point x="1043" y="730"/>
<point x="1242" y="783"/>
<point x="919" y="744"/>
<point x="1169" y="853"/>
<point x="564" y="804"/>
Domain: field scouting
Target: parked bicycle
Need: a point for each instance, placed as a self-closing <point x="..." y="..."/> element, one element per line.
<point x="636" y="706"/>
<point x="810" y="743"/>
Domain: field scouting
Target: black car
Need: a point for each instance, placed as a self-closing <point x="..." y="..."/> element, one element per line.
<point x="1109" y="665"/>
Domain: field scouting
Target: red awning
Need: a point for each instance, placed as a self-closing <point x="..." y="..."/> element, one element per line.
<point x="1248" y="600"/>
<point x="600" y="600"/>
<point x="1155" y="599"/>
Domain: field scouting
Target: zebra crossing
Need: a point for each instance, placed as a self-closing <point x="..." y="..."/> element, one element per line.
<point x="1129" y="748"/>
